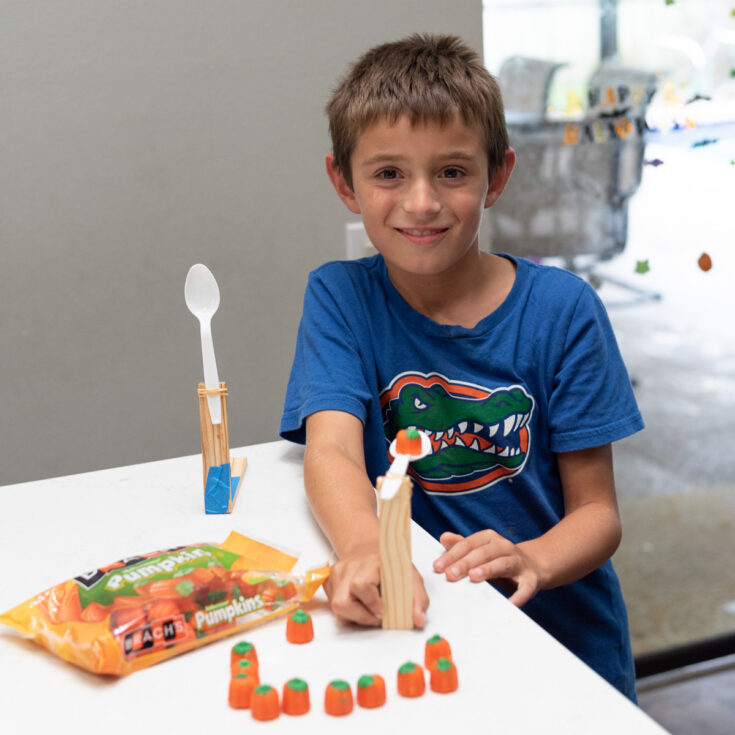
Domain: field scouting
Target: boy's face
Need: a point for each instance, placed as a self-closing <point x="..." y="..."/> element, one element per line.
<point x="421" y="191"/>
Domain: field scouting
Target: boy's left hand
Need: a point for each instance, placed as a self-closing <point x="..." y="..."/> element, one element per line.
<point x="488" y="556"/>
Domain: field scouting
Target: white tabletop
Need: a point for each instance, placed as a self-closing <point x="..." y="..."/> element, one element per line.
<point x="514" y="678"/>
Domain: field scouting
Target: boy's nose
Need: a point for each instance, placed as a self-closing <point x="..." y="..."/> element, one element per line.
<point x="421" y="199"/>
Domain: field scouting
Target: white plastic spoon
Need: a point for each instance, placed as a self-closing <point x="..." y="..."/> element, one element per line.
<point x="202" y="298"/>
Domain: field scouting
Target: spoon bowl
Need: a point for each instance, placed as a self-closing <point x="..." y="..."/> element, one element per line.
<point x="201" y="292"/>
<point x="398" y="467"/>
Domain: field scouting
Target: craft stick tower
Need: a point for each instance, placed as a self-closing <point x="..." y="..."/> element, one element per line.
<point x="215" y="438"/>
<point x="222" y="477"/>
<point x="396" y="569"/>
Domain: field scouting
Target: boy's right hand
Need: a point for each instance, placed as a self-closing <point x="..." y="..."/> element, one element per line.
<point x="342" y="499"/>
<point x="353" y="590"/>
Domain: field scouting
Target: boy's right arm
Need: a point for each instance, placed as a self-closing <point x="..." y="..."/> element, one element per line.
<point x="344" y="504"/>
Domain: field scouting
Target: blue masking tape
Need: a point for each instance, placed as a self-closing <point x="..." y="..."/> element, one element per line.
<point x="217" y="489"/>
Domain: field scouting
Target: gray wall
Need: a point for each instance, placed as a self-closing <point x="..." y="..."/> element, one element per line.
<point x="137" y="138"/>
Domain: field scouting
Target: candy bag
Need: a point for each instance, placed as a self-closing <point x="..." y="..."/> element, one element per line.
<point x="144" y="609"/>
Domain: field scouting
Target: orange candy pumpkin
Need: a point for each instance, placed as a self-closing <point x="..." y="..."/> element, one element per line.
<point x="408" y="441"/>
<point x="245" y="666"/>
<point x="241" y="691"/>
<point x="338" y="698"/>
<point x="411" y="681"/>
<point x="264" y="703"/>
<point x="243" y="649"/>
<point x="371" y="691"/>
<point x="443" y="676"/>
<point x="295" y="700"/>
<point x="299" y="628"/>
<point x="436" y="648"/>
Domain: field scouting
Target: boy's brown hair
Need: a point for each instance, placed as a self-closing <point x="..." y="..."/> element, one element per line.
<point x="427" y="77"/>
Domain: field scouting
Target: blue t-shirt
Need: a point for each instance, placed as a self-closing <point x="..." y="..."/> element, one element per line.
<point x="541" y="374"/>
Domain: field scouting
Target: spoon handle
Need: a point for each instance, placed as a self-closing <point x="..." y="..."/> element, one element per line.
<point x="211" y="379"/>
<point x="394" y="477"/>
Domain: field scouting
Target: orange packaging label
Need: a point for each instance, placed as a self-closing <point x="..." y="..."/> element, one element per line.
<point x="144" y="609"/>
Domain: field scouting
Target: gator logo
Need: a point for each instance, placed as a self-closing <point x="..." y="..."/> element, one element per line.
<point x="479" y="436"/>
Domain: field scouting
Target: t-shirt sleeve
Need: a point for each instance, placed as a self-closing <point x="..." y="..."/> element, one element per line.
<point x="592" y="401"/>
<point x="327" y="371"/>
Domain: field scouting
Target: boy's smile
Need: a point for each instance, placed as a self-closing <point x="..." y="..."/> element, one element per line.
<point x="421" y="190"/>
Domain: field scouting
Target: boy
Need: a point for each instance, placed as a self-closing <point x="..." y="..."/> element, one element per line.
<point x="511" y="367"/>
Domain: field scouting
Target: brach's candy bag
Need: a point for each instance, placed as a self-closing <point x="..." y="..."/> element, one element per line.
<point x="145" y="609"/>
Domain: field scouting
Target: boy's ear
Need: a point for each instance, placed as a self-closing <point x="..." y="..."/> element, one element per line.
<point x="500" y="178"/>
<point x="341" y="186"/>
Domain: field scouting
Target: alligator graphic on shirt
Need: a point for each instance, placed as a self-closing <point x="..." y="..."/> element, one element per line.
<point x="479" y="435"/>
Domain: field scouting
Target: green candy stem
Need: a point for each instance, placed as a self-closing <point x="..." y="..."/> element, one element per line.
<point x="242" y="647"/>
<point x="300" y="617"/>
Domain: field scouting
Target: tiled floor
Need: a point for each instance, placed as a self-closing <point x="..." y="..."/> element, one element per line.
<point x="695" y="701"/>
<point x="676" y="479"/>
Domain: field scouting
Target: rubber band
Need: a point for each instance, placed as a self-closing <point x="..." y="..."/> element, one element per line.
<point x="203" y="392"/>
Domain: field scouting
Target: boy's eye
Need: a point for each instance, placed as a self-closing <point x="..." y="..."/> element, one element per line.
<point x="452" y="173"/>
<point x="388" y="174"/>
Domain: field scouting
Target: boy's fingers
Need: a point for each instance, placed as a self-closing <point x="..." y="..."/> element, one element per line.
<point x="455" y="548"/>
<point x="350" y="609"/>
<point x="420" y="601"/>
<point x="448" y="539"/>
<point x="369" y="596"/>
<point x="357" y="614"/>
<point x="474" y="559"/>
<point x="353" y="593"/>
<point x="463" y="548"/>
<point x="523" y="593"/>
<point x="503" y="567"/>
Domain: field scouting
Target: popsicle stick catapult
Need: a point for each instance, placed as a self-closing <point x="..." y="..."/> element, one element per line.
<point x="221" y="478"/>
<point x="394" y="511"/>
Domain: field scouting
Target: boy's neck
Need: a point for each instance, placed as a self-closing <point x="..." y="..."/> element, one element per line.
<point x="463" y="295"/>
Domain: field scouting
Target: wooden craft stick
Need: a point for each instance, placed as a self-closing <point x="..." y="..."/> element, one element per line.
<point x="396" y="571"/>
<point x="237" y="465"/>
<point x="215" y="439"/>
